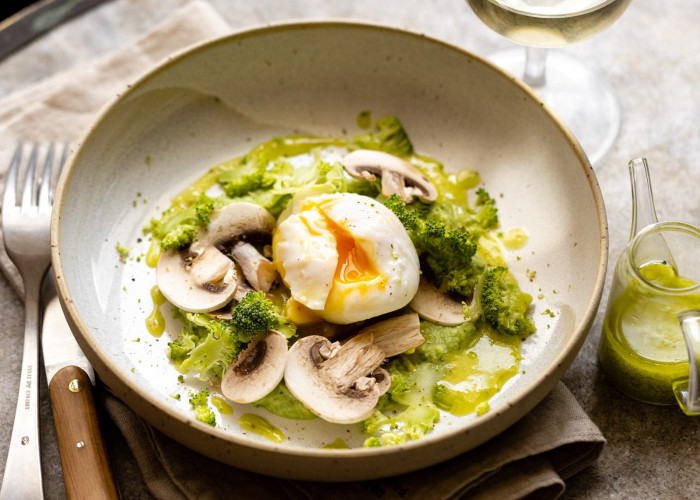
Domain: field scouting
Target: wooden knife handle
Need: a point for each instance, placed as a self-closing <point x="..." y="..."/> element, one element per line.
<point x="86" y="470"/>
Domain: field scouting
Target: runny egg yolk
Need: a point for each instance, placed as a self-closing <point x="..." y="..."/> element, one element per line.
<point x="354" y="265"/>
<point x="345" y="257"/>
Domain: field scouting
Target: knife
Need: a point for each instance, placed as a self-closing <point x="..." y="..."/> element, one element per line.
<point x="86" y="469"/>
<point x="36" y="19"/>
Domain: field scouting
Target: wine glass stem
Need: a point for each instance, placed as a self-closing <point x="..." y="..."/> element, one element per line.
<point x="535" y="61"/>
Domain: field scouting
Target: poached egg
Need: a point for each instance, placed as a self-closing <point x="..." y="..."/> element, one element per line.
<point x="346" y="257"/>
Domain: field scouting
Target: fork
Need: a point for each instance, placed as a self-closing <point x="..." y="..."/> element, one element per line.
<point x="26" y="228"/>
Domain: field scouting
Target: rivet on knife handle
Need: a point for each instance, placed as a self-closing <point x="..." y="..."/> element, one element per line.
<point x="86" y="470"/>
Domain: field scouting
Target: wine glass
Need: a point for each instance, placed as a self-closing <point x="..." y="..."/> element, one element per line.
<point x="583" y="99"/>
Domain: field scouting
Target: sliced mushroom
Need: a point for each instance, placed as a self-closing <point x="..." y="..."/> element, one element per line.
<point x="335" y="382"/>
<point x="396" y="335"/>
<point x="398" y="176"/>
<point x="238" y="221"/>
<point x="436" y="306"/>
<point x="231" y="227"/>
<point x="197" y="279"/>
<point x="257" y="370"/>
<point x="259" y="271"/>
<point x="200" y="277"/>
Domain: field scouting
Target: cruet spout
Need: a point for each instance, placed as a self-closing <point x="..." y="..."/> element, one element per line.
<point x="644" y="214"/>
<point x="688" y="391"/>
<point x="643" y="209"/>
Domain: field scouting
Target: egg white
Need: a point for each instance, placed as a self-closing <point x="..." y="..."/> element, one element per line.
<point x="310" y="244"/>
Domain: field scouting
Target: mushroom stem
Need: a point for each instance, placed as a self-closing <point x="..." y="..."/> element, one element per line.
<point x="350" y="364"/>
<point x="396" y="335"/>
<point x="258" y="271"/>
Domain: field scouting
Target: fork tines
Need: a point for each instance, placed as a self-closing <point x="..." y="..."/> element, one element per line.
<point x="37" y="186"/>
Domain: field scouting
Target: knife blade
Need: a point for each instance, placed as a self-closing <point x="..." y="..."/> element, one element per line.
<point x="86" y="469"/>
<point x="36" y="19"/>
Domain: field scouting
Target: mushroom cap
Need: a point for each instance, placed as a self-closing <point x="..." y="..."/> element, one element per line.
<point x="237" y="221"/>
<point x="398" y="176"/>
<point x="257" y="370"/>
<point x="198" y="278"/>
<point x="336" y="389"/>
<point x="436" y="306"/>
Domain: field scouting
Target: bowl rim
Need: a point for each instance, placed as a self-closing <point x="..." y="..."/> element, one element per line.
<point x="527" y="398"/>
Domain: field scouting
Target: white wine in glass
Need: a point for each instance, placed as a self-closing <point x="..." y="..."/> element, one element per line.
<point x="584" y="100"/>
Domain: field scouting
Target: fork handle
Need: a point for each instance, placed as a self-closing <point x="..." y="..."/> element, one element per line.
<point x="86" y="470"/>
<point x="22" y="476"/>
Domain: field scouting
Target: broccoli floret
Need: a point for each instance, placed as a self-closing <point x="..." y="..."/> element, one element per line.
<point x="218" y="346"/>
<point x="450" y="253"/>
<point x="505" y="306"/>
<point x="179" y="237"/>
<point x="123" y="252"/>
<point x="203" y="209"/>
<point x="199" y="399"/>
<point x="390" y="136"/>
<point x="487" y="213"/>
<point x="247" y="183"/>
<point x="255" y="314"/>
<point x="205" y="414"/>
<point x="181" y="346"/>
<point x="403" y="213"/>
<point x="202" y="412"/>
<point x="251" y="175"/>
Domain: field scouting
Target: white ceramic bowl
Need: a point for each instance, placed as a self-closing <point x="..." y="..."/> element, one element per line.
<point x="214" y="102"/>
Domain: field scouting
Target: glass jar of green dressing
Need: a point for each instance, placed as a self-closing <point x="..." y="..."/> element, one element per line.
<point x="654" y="299"/>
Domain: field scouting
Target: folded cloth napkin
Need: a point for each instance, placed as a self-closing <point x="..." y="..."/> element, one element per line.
<point x="531" y="459"/>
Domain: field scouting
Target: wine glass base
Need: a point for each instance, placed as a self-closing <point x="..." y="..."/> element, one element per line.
<point x="581" y="97"/>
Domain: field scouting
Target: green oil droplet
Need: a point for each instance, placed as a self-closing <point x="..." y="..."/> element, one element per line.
<point x="153" y="254"/>
<point x="221" y="405"/>
<point x="477" y="375"/>
<point x="258" y="425"/>
<point x="338" y="444"/>
<point x="155" y="322"/>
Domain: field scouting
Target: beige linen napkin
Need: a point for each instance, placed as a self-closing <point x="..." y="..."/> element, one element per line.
<point x="531" y="459"/>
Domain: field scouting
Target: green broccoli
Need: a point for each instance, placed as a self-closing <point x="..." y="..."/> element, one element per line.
<point x="216" y="346"/>
<point x="203" y="209"/>
<point x="255" y="314"/>
<point x="179" y="237"/>
<point x="202" y="412"/>
<point x="450" y="252"/>
<point x="487" y="214"/>
<point x="250" y="175"/>
<point x="199" y="399"/>
<point x="505" y="306"/>
<point x="178" y="227"/>
<point x="390" y="136"/>
<point x="180" y="347"/>
<point x="244" y="184"/>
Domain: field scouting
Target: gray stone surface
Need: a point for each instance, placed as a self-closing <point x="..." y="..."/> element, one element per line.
<point x="652" y="57"/>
